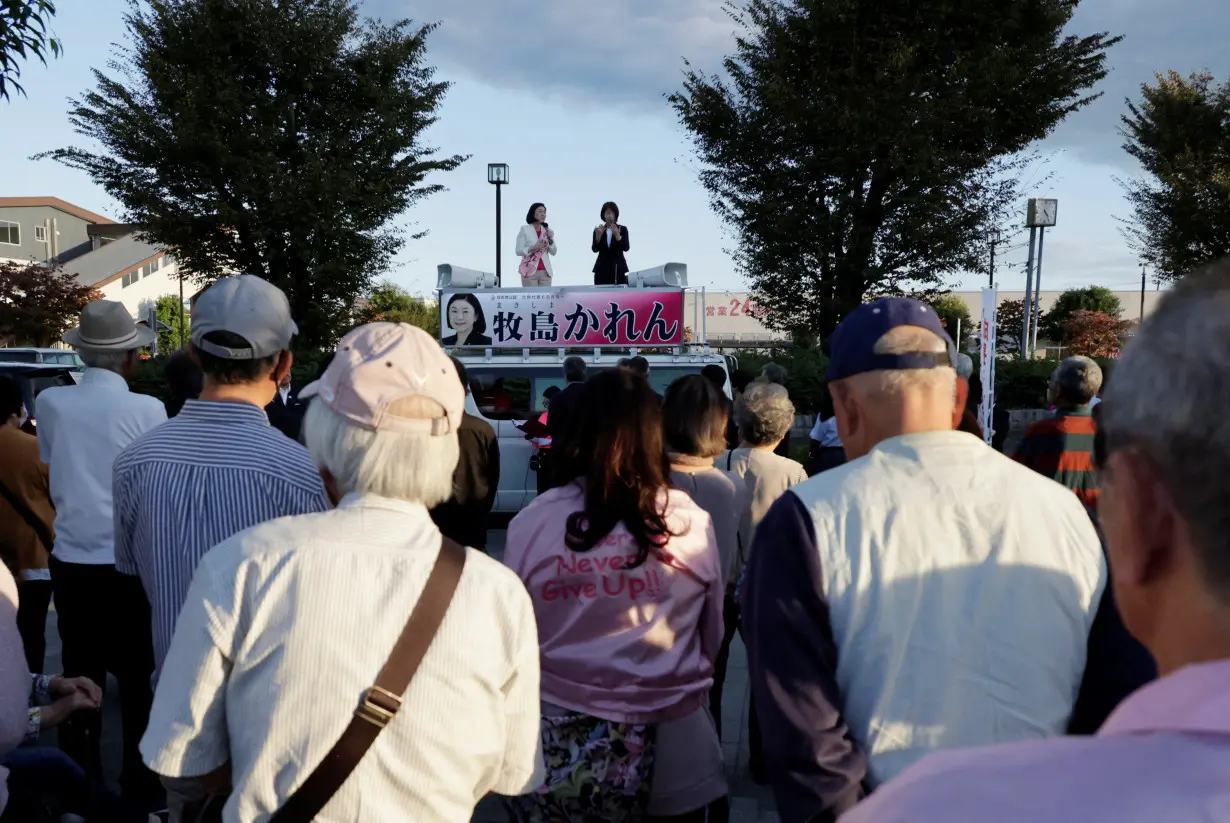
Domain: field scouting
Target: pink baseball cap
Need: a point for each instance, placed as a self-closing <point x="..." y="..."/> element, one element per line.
<point x="380" y="374"/>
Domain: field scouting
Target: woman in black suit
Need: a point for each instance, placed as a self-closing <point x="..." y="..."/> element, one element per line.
<point x="610" y="242"/>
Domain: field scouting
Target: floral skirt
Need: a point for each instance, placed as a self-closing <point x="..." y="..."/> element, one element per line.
<point x="597" y="770"/>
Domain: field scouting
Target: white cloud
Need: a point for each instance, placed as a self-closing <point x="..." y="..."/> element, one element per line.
<point x="628" y="53"/>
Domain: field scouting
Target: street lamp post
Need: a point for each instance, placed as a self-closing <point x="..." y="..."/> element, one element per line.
<point x="497" y="175"/>
<point x="1039" y="216"/>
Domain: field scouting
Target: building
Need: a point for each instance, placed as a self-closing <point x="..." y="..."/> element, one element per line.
<point x="100" y="252"/>
<point x="729" y="319"/>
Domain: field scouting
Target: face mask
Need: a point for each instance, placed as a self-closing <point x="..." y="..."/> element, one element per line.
<point x="22" y="417"/>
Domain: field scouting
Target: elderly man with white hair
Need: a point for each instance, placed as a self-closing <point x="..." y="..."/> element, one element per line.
<point x="1165" y="508"/>
<point x="1061" y="446"/>
<point x="293" y="651"/>
<point x="929" y="594"/>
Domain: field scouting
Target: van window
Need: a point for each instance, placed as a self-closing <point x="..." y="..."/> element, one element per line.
<point x="503" y="393"/>
<point x="18" y="356"/>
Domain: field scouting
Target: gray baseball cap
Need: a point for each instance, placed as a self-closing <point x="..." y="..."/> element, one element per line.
<point x="248" y="306"/>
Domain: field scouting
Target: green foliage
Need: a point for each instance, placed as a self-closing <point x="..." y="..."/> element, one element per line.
<point x="805" y="373"/>
<point x="1090" y="298"/>
<point x="23" y="33"/>
<point x="274" y="138"/>
<point x="1022" y="384"/>
<point x="150" y="378"/>
<point x="1009" y="326"/>
<point x="1180" y="132"/>
<point x="170" y="310"/>
<point x="38" y="304"/>
<point x="854" y="148"/>
<point x="393" y="304"/>
<point x="954" y="314"/>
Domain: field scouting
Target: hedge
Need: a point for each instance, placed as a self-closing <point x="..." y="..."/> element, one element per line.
<point x="1019" y="384"/>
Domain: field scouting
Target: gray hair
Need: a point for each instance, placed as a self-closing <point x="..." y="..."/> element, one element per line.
<point x="575" y="369"/>
<point x="410" y="467"/>
<point x="106" y="359"/>
<point x="774" y="373"/>
<point x="765" y="414"/>
<point x="965" y="365"/>
<point x="1077" y="380"/>
<point x="1168" y="397"/>
<point x="904" y="340"/>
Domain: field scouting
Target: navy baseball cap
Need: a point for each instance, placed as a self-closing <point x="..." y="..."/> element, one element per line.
<point x="852" y="346"/>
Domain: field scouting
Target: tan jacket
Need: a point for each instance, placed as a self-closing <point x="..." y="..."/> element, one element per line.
<point x="25" y="477"/>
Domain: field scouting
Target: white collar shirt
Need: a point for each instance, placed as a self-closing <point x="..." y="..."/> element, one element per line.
<point x="81" y="430"/>
<point x="608" y="238"/>
<point x="287" y="624"/>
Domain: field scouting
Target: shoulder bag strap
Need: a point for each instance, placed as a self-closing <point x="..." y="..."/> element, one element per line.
<point x="383" y="699"/>
<point x="26" y="514"/>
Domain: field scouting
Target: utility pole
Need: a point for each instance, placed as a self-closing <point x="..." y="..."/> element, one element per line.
<point x="1033" y="340"/>
<point x="1029" y="293"/>
<point x="1142" y="293"/>
<point x="994" y="240"/>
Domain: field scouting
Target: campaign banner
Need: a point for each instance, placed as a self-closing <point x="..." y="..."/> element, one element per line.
<point x="546" y="317"/>
<point x="986" y="360"/>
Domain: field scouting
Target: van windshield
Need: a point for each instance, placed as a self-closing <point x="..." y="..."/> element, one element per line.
<point x="503" y="393"/>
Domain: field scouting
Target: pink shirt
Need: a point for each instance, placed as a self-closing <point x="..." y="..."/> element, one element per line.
<point x="632" y="645"/>
<point x="1163" y="755"/>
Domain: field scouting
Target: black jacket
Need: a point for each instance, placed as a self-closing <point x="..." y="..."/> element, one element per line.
<point x="287" y="417"/>
<point x="611" y="268"/>
<point x="475" y="481"/>
<point x="563" y="406"/>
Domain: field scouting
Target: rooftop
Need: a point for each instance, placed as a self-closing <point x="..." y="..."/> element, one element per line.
<point x="54" y="203"/>
<point x="110" y="259"/>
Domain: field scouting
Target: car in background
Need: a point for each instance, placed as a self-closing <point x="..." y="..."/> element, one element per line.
<point x="44" y="357"/>
<point x="506" y="390"/>
<point x="33" y="379"/>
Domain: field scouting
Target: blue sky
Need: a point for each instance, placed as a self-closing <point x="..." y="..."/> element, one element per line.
<point x="570" y="95"/>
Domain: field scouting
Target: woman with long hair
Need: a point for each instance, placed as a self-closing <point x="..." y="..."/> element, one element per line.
<point x="535" y="245"/>
<point x="626" y="582"/>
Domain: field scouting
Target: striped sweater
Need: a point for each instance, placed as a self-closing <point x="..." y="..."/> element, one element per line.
<point x="1061" y="448"/>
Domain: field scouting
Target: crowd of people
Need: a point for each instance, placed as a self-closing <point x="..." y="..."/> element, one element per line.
<point x="302" y="621"/>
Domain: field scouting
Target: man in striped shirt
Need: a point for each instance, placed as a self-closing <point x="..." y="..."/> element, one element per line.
<point x="1061" y="447"/>
<point x="218" y="467"/>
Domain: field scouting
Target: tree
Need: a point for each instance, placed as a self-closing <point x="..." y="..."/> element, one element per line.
<point x="273" y="138"/>
<point x="1090" y="298"/>
<point x="169" y="313"/>
<point x="954" y="314"/>
<point x="23" y="32"/>
<point x="1009" y="326"/>
<point x="38" y="304"/>
<point x="856" y="147"/>
<point x="393" y="304"/>
<point x="1095" y="334"/>
<point x="1180" y="133"/>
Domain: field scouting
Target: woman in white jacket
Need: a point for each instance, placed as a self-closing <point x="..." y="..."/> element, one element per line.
<point x="535" y="245"/>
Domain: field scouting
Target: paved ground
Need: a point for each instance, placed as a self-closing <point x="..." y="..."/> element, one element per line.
<point x="749" y="803"/>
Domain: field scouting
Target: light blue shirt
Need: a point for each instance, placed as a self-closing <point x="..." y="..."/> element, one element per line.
<point x="81" y="430"/>
<point x="214" y="470"/>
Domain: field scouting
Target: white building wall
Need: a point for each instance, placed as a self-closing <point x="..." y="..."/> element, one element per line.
<point x="139" y="296"/>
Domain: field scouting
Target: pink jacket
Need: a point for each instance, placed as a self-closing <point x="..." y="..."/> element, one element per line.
<point x="631" y="645"/>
